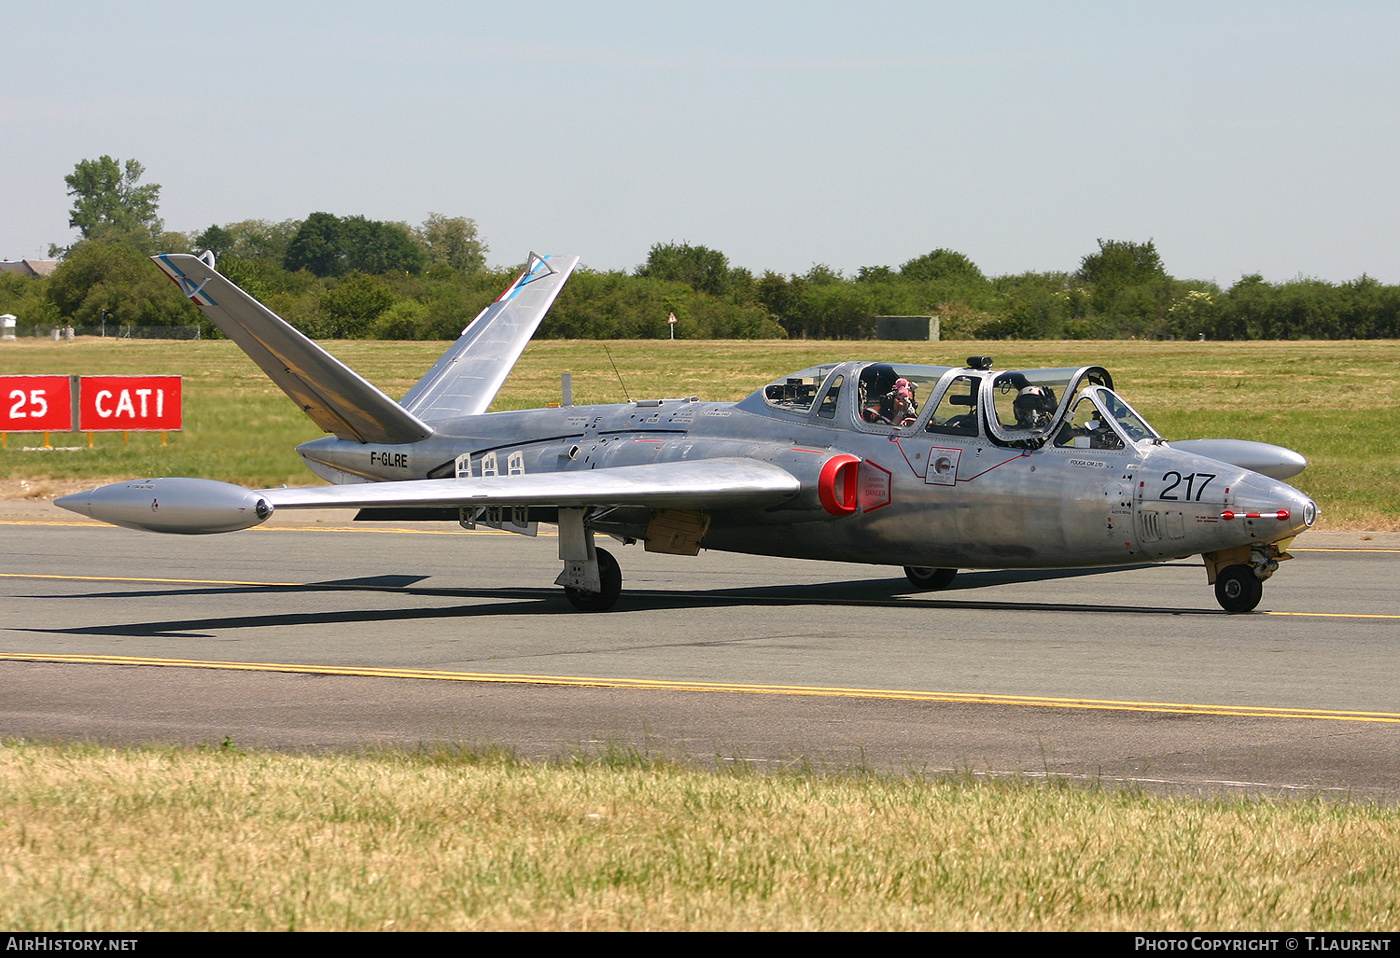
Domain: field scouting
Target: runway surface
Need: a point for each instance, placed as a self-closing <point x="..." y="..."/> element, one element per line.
<point x="327" y="637"/>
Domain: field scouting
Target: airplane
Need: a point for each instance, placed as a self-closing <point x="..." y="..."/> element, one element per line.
<point x="929" y="468"/>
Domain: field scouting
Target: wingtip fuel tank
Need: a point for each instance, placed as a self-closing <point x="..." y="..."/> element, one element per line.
<point x="180" y="506"/>
<point x="1265" y="458"/>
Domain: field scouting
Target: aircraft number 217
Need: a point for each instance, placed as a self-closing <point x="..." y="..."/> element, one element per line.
<point x="1167" y="493"/>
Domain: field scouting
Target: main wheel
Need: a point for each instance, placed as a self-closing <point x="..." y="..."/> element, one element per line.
<point x="930" y="580"/>
<point x="1238" y="589"/>
<point x="609" y="577"/>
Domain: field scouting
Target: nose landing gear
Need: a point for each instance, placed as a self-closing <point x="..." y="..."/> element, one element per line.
<point x="1239" y="573"/>
<point x="1238" y="589"/>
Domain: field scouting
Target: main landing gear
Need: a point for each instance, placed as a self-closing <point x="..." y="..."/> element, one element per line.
<point x="592" y="579"/>
<point x="609" y="586"/>
<point x="928" y="579"/>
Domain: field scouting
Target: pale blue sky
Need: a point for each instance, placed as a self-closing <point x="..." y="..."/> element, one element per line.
<point x="1241" y="137"/>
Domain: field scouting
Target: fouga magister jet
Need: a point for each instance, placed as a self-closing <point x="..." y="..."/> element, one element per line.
<point x="931" y="468"/>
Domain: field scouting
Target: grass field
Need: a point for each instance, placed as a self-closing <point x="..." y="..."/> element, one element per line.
<point x="1338" y="403"/>
<point x="213" y="839"/>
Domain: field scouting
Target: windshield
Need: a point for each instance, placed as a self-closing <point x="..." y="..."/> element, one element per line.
<point x="1131" y="424"/>
<point x="1101" y="420"/>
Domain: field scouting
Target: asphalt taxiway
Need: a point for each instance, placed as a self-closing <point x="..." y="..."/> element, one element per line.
<point x="331" y="636"/>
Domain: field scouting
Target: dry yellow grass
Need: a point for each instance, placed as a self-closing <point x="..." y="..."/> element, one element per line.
<point x="214" y="839"/>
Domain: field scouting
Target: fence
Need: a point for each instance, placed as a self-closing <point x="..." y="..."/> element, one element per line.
<point x="111" y="331"/>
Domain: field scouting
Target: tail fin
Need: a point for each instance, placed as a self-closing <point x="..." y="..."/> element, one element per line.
<point x="336" y="398"/>
<point x="466" y="378"/>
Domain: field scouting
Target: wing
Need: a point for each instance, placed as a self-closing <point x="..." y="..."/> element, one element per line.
<point x="466" y="378"/>
<point x="694" y="484"/>
<point x="202" y="506"/>
<point x="336" y="398"/>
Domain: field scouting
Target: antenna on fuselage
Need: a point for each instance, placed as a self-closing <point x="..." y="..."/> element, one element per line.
<point x="619" y="373"/>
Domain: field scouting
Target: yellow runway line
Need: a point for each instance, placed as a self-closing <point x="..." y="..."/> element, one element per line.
<point x="663" y="685"/>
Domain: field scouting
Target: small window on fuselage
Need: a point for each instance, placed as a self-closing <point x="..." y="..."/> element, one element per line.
<point x="827" y="410"/>
<point x="797" y="392"/>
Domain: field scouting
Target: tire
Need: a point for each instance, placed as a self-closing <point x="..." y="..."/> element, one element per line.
<point x="928" y="579"/>
<point x="1238" y="589"/>
<point x="609" y="576"/>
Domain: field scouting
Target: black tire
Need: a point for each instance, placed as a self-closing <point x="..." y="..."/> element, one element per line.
<point x="1238" y="589"/>
<point x="928" y="579"/>
<point x="609" y="576"/>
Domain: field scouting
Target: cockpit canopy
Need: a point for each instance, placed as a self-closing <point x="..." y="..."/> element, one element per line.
<point x="885" y="395"/>
<point x="1028" y="402"/>
<point x="1071" y="406"/>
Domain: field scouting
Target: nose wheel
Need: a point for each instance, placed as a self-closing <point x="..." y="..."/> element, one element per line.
<point x="1238" y="589"/>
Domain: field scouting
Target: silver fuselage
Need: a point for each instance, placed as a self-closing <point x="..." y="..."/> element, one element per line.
<point x="916" y="498"/>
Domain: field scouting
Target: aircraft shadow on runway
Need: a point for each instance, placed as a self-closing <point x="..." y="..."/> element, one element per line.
<point x="886" y="593"/>
<point x="371" y="583"/>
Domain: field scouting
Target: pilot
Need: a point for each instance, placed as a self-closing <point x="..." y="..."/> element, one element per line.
<point x="1033" y="407"/>
<point x="900" y="404"/>
<point x="877" y="382"/>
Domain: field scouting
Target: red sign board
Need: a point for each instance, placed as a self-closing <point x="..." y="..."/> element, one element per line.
<point x="35" y="404"/>
<point x="135" y="403"/>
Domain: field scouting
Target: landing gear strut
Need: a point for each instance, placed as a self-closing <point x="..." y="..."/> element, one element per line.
<point x="929" y="579"/>
<point x="610" y="586"/>
<point x="591" y="577"/>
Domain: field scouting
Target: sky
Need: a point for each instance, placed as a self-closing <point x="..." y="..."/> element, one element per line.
<point x="1239" y="137"/>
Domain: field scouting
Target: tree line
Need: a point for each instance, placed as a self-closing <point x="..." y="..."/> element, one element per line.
<point x="350" y="276"/>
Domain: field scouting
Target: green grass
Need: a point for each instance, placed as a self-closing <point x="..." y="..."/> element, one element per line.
<point x="1338" y="403"/>
<point x="216" y="839"/>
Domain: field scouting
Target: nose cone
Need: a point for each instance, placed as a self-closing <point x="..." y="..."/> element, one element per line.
<point x="79" y="502"/>
<point x="1272" y="510"/>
